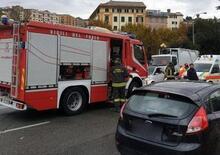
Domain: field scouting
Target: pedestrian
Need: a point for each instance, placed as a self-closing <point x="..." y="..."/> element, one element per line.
<point x="181" y="72"/>
<point x="119" y="79"/>
<point x="170" y="71"/>
<point x="191" y="73"/>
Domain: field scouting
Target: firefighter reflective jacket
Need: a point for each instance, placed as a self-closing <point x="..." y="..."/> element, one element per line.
<point x="169" y="71"/>
<point x="119" y="76"/>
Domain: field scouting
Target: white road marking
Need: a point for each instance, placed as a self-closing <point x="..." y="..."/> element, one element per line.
<point x="24" y="127"/>
<point x="3" y="107"/>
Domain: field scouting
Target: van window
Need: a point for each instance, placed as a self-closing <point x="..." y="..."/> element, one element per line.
<point x="148" y="103"/>
<point x="174" y="61"/>
<point x="199" y="67"/>
<point x="215" y="69"/>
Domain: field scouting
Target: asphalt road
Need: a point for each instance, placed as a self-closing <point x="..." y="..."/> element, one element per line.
<point x="49" y="132"/>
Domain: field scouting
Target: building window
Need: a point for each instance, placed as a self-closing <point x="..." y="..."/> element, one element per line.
<point x="122" y="19"/>
<point x="106" y="19"/>
<point x="122" y="28"/>
<point x="132" y="10"/>
<point x="119" y="10"/>
<point x="136" y="10"/>
<point x="126" y="10"/>
<point x="106" y="10"/>
<point x="115" y="28"/>
<point x="113" y="10"/>
<point x="130" y="19"/>
<point x="142" y="19"/>
<point x="115" y="18"/>
<point x="142" y="10"/>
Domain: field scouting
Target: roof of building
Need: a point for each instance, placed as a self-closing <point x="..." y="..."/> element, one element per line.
<point x="158" y="13"/>
<point x="119" y="4"/>
<point x="123" y="4"/>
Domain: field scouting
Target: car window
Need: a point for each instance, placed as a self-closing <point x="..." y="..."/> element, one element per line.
<point x="214" y="101"/>
<point x="160" y="103"/>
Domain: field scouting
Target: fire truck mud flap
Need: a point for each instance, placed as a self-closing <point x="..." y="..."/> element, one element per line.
<point x="7" y="102"/>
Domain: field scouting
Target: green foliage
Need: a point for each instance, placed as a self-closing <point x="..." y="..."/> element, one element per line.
<point x="100" y="24"/>
<point x="152" y="39"/>
<point x="207" y="35"/>
<point x="1" y="13"/>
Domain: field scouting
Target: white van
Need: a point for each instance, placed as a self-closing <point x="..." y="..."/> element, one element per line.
<point x="178" y="56"/>
<point x="208" y="68"/>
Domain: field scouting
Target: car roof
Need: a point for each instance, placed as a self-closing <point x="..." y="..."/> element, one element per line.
<point x="194" y="90"/>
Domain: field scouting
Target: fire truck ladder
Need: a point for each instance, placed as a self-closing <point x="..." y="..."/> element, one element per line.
<point x="15" y="60"/>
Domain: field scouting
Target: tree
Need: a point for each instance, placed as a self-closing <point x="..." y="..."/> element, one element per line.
<point x="27" y="15"/>
<point x="18" y="13"/>
<point x="1" y="13"/>
<point x="100" y="24"/>
<point x="15" y="13"/>
<point x="152" y="38"/>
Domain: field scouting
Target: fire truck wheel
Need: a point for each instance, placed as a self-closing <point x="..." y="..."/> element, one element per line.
<point x="73" y="101"/>
<point x="134" y="84"/>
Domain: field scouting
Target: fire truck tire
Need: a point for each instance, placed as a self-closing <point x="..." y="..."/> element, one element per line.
<point x="134" y="84"/>
<point x="73" y="101"/>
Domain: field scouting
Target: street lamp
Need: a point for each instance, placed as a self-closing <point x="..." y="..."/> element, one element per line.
<point x="193" y="25"/>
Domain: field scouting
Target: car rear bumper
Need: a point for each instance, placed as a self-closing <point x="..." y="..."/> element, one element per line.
<point x="127" y="144"/>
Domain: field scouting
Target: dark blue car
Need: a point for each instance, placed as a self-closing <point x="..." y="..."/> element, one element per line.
<point x="171" y="118"/>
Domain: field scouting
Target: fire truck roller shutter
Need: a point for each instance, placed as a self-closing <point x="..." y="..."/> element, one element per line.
<point x="42" y="59"/>
<point x="6" y="47"/>
<point x="75" y="50"/>
<point x="99" y="61"/>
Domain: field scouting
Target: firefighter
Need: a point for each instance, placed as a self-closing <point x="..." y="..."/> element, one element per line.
<point x="119" y="78"/>
<point x="169" y="71"/>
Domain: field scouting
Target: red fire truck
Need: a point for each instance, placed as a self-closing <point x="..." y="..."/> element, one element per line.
<point x="48" y="66"/>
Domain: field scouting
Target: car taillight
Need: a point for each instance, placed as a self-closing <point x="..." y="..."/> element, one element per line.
<point x="199" y="122"/>
<point x="122" y="110"/>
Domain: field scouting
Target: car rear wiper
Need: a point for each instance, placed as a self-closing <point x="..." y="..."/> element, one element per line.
<point x="161" y="115"/>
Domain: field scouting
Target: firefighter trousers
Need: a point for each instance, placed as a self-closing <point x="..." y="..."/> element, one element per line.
<point x="118" y="94"/>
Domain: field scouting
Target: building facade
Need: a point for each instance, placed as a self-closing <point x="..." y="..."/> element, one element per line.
<point x="157" y="19"/>
<point x="66" y="19"/>
<point x="174" y="19"/>
<point x="119" y="13"/>
<point x="22" y="14"/>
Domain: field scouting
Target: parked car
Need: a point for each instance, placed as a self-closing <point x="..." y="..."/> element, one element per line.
<point x="171" y="117"/>
<point x="156" y="74"/>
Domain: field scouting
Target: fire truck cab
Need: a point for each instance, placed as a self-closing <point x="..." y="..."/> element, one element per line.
<point x="47" y="66"/>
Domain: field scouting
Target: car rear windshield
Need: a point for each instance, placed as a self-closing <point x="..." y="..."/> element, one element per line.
<point x="150" y="103"/>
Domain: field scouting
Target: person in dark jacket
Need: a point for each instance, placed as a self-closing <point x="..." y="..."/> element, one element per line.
<point x="170" y="71"/>
<point x="191" y="73"/>
<point x="119" y="79"/>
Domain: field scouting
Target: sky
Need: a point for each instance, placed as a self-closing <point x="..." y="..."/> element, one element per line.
<point x="84" y="8"/>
